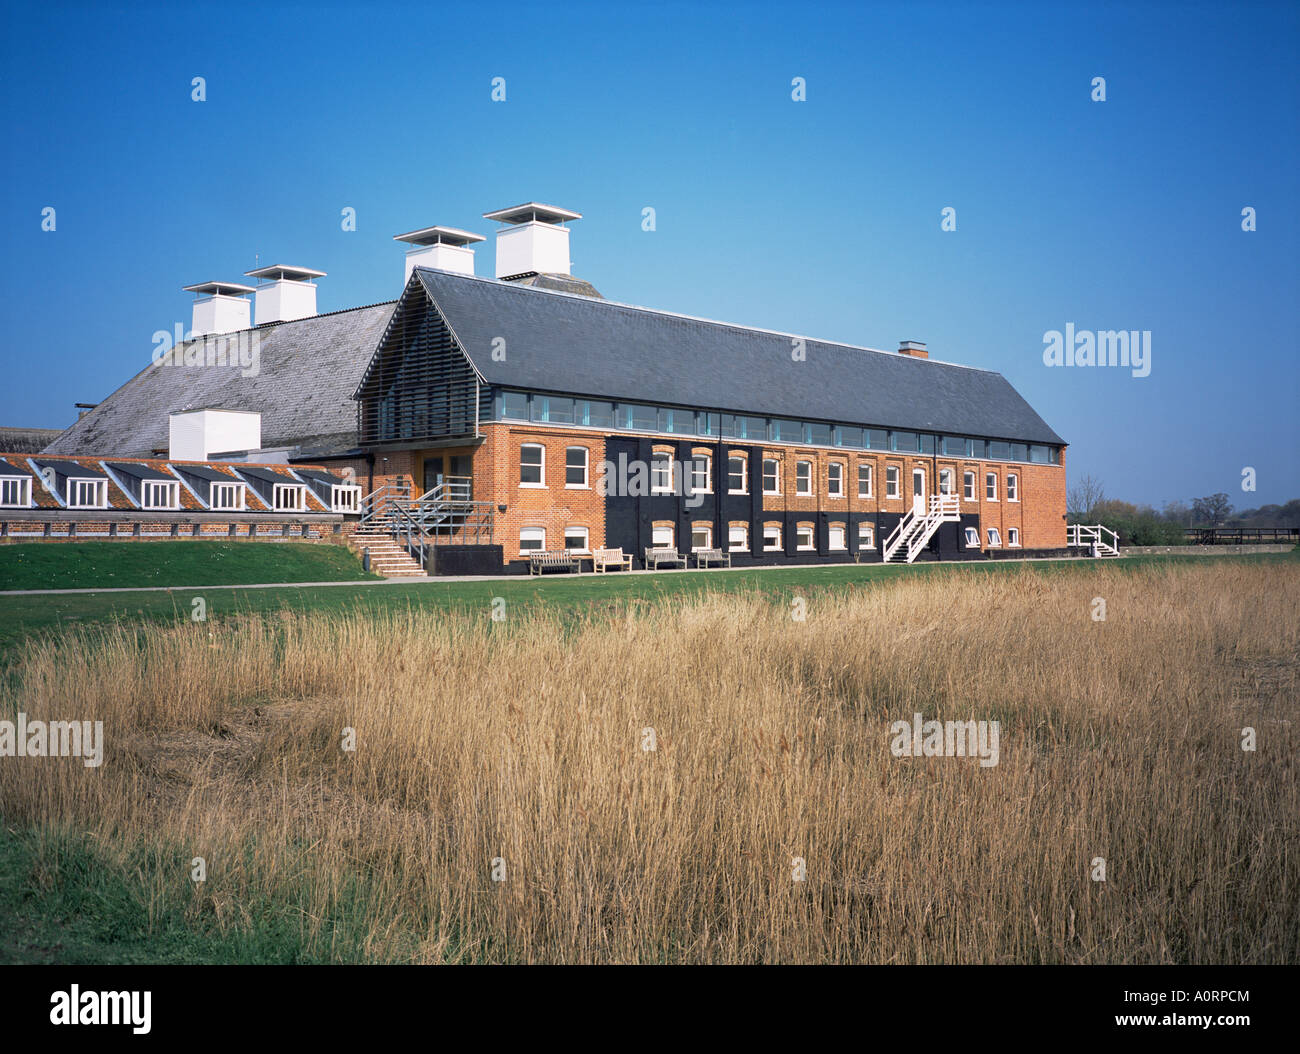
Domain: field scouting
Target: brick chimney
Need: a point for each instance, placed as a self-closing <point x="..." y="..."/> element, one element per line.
<point x="914" y="349"/>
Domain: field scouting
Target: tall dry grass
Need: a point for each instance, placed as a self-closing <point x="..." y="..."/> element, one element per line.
<point x="522" y="740"/>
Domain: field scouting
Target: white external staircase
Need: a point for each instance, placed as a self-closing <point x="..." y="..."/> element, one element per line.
<point x="915" y="530"/>
<point x="1101" y="541"/>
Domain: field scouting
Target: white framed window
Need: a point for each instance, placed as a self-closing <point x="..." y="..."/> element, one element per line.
<point x="771" y="476"/>
<point x="864" y="481"/>
<point x="1013" y="536"/>
<point x="836" y="537"/>
<point x="945" y="481"/>
<point x="701" y="474"/>
<point x="866" y="536"/>
<point x="972" y="538"/>
<point x="804" y="538"/>
<point x="1013" y="487"/>
<point x="891" y="481"/>
<point x="532" y="465"/>
<point x="738" y="538"/>
<point x="661" y="537"/>
<point x="771" y="538"/>
<point x="968" y="486"/>
<point x="575" y="539"/>
<point x="661" y="472"/>
<point x="16" y="492"/>
<point x="226" y="496"/>
<point x="991" y="486"/>
<point x="288" y="497"/>
<point x="345" y="497"/>
<point x="995" y="537"/>
<point x="701" y="537"/>
<point x="575" y="467"/>
<point x="159" y="494"/>
<point x="87" y="493"/>
<point x="737" y="476"/>
<point x="803" y="478"/>
<point x="532" y="539"/>
<point x="835" y="480"/>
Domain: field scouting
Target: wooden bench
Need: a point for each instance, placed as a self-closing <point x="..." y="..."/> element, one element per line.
<point x="603" y="559"/>
<point x="704" y="557"/>
<point x="655" y="557"/>
<point x="540" y="561"/>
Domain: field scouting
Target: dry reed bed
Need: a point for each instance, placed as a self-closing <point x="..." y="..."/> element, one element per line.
<point x="522" y="740"/>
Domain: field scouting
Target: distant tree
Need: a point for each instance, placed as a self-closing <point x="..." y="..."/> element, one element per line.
<point x="1213" y="510"/>
<point x="1178" y="512"/>
<point x="1084" y="498"/>
<point x="1287" y="515"/>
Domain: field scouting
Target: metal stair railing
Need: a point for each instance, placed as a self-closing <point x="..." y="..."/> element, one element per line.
<point x="1094" y="536"/>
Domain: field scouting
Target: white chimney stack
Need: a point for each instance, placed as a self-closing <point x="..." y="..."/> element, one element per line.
<point x="284" y="293"/>
<point x="219" y="307"/>
<point x="535" y="240"/>
<point x="445" y="248"/>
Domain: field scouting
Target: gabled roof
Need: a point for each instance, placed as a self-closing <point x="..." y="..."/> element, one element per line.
<point x="560" y="342"/>
<point x="306" y="373"/>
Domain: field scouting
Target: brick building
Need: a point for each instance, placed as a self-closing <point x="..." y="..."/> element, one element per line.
<point x="573" y="422"/>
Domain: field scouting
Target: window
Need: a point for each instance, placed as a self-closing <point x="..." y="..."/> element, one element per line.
<point x="701" y="476"/>
<point x="803" y="538"/>
<point x="575" y="539"/>
<point x="1039" y="454"/>
<point x="891" y="481"/>
<point x="945" y="480"/>
<point x="641" y="418"/>
<point x="968" y="486"/>
<point x="662" y="537"/>
<point x="157" y="494"/>
<point x="835" y="480"/>
<point x="836" y="537"/>
<point x="514" y="406"/>
<point x="16" y="492"/>
<point x="866" y="536"/>
<point x="575" y="466"/>
<point x="972" y="538"/>
<point x="532" y="459"/>
<point x="707" y="424"/>
<point x="288" y="497"/>
<point x="661" y="473"/>
<point x="771" y="538"/>
<point x="738" y="538"/>
<point x="226" y="496"/>
<point x="734" y="427"/>
<point x="736" y="482"/>
<point x="906" y="442"/>
<point x="701" y="537"/>
<point x="877" y="438"/>
<point x="1013" y="536"/>
<point x="771" y="476"/>
<point x="846" y="435"/>
<point x="1013" y="488"/>
<point x="994" y="537"/>
<point x="784" y="431"/>
<point x="864" y="481"/>
<point x="999" y="449"/>
<point x="559" y="410"/>
<point x="346" y="498"/>
<point x="532" y="539"/>
<point x="803" y="477"/>
<point x="819" y="435"/>
<point x="600" y="415"/>
<point x="87" y="493"/>
<point x="991" y="486"/>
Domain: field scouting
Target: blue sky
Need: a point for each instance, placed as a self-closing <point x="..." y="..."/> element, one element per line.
<point x="819" y="217"/>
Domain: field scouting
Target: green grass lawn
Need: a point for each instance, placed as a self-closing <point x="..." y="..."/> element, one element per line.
<point x="22" y="617"/>
<point x="104" y="565"/>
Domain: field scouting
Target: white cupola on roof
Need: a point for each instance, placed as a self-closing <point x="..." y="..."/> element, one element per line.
<point x="446" y="248"/>
<point x="284" y="293"/>
<point x="534" y="240"/>
<point x="219" y="307"/>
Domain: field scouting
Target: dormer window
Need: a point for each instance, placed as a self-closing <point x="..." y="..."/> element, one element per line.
<point x="226" y="497"/>
<point x="289" y="497"/>
<point x="87" y="493"/>
<point x="16" y="492"/>
<point x="345" y="497"/>
<point x="159" y="494"/>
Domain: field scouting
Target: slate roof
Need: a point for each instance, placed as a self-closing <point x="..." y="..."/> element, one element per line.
<point x="307" y="372"/>
<point x="580" y="345"/>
